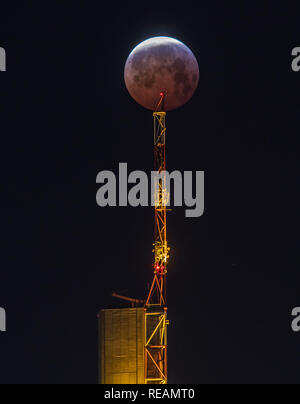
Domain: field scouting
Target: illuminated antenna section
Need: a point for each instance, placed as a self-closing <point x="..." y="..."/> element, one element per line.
<point x="156" y="304"/>
<point x="161" y="195"/>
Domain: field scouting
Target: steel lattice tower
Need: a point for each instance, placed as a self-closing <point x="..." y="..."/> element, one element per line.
<point x="156" y="322"/>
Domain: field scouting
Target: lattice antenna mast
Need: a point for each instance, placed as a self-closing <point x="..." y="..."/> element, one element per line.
<point x="156" y="304"/>
<point x="157" y="294"/>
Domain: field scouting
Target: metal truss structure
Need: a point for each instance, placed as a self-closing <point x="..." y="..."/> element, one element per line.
<point x="156" y="305"/>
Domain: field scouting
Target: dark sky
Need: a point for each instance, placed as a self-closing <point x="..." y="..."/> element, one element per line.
<point x="65" y="115"/>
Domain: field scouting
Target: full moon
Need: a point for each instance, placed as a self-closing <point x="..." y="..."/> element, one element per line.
<point x="161" y="65"/>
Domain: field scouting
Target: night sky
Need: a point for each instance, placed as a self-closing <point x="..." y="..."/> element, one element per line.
<point x="65" y="115"/>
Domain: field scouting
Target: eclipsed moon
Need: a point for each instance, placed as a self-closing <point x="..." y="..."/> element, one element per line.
<point x="161" y="64"/>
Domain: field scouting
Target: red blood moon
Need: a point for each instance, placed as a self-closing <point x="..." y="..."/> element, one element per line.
<point x="161" y="65"/>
